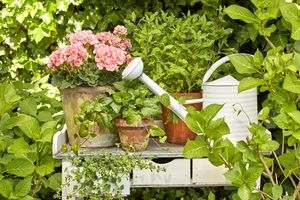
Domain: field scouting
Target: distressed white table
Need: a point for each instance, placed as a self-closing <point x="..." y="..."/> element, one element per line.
<point x="180" y="172"/>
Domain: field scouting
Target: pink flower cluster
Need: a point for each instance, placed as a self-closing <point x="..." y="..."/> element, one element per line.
<point x="120" y="30"/>
<point x="109" y="57"/>
<point x="73" y="55"/>
<point x="110" y="49"/>
<point x="82" y="38"/>
<point x="112" y="40"/>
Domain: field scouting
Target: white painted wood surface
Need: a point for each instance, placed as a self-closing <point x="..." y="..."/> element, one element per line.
<point x="178" y="171"/>
<point x="206" y="174"/>
<point x="59" y="139"/>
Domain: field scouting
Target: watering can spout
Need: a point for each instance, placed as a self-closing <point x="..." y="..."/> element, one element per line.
<point x="135" y="70"/>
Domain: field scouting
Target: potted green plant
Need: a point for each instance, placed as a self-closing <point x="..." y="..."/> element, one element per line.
<point x="129" y="109"/>
<point x="84" y="69"/>
<point x="177" y="52"/>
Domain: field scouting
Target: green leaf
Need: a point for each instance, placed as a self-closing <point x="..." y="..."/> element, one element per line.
<point x="264" y="113"/>
<point x="27" y="198"/>
<point x="241" y="13"/>
<point x="296" y="31"/>
<point x="38" y="33"/>
<point x="28" y="106"/>
<point x="155" y="131"/>
<point x="243" y="63"/>
<point x="290" y="12"/>
<point x="291" y="83"/>
<point x="62" y="5"/>
<point x="19" y="146"/>
<point x="217" y="128"/>
<point x="210" y="111"/>
<point x="277" y="191"/>
<point x="196" y="148"/>
<point x="20" y="167"/>
<point x="44" y="116"/>
<point x="165" y="99"/>
<point x="6" y="188"/>
<point x="55" y="181"/>
<point x="23" y="187"/>
<point x="211" y="196"/>
<point x="244" y="192"/>
<point x="234" y="175"/>
<point x="46" y="166"/>
<point x="132" y="117"/>
<point x="29" y="125"/>
<point x="295" y="115"/>
<point x="195" y="123"/>
<point x="249" y="83"/>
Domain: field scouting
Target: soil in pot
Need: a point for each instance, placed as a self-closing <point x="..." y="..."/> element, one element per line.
<point x="134" y="138"/>
<point x="179" y="133"/>
<point x="72" y="98"/>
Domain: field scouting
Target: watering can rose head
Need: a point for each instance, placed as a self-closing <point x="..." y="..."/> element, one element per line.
<point x="90" y="59"/>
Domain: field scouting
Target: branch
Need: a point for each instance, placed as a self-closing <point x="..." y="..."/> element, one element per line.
<point x="269" y="42"/>
<point x="296" y="192"/>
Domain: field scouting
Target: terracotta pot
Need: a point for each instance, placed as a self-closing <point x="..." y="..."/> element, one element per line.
<point x="133" y="137"/>
<point x="72" y="98"/>
<point x="179" y="133"/>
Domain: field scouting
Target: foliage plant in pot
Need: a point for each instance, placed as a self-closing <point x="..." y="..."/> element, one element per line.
<point x="130" y="110"/>
<point x="85" y="69"/>
<point x="177" y="52"/>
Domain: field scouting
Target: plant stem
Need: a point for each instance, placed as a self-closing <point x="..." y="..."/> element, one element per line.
<point x="266" y="168"/>
<point x="281" y="169"/>
<point x="296" y="192"/>
<point x="225" y="162"/>
<point x="263" y="193"/>
<point x="269" y="42"/>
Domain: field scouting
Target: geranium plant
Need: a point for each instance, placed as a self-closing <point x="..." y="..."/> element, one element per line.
<point x="90" y="59"/>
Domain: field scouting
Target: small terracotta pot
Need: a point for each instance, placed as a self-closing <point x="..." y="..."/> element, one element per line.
<point x="134" y="137"/>
<point x="179" y="133"/>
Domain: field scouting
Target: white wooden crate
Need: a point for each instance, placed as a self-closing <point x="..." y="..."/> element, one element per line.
<point x="178" y="172"/>
<point x="206" y="174"/>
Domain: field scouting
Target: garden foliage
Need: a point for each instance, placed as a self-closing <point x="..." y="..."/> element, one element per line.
<point x="28" y="121"/>
<point x="270" y="30"/>
<point x="275" y="70"/>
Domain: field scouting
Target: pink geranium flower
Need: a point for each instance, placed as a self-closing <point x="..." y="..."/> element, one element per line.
<point x="82" y="38"/>
<point x="109" y="57"/>
<point x="120" y="30"/>
<point x="110" y="50"/>
<point x="73" y="55"/>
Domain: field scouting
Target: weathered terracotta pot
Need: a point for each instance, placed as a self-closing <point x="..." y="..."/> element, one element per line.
<point x="133" y="137"/>
<point x="72" y="98"/>
<point x="179" y="133"/>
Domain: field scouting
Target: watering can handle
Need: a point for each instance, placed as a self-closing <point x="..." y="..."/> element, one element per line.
<point x="214" y="66"/>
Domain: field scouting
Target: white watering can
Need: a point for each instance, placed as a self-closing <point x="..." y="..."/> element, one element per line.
<point x="239" y="110"/>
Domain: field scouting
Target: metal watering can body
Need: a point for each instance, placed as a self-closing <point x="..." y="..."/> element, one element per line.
<point x="239" y="110"/>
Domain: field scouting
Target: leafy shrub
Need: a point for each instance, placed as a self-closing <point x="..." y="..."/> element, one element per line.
<point x="275" y="70"/>
<point x="28" y="120"/>
<point x="32" y="29"/>
<point x="178" y="51"/>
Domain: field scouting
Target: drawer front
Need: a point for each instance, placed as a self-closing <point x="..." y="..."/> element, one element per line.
<point x="178" y="172"/>
<point x="206" y="174"/>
